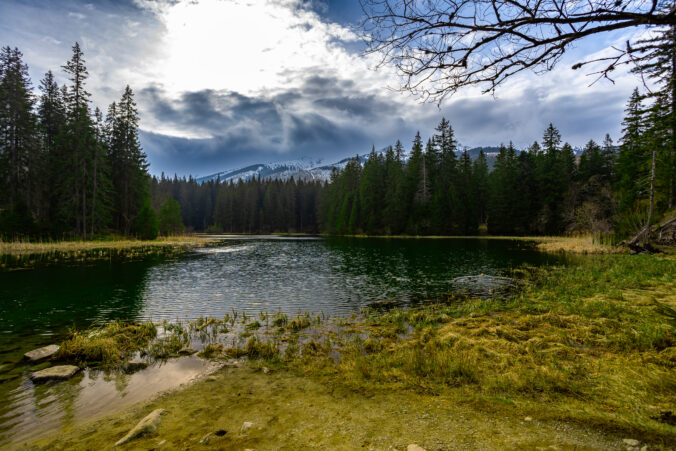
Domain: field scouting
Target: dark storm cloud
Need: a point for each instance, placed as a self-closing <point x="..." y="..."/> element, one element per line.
<point x="487" y="121"/>
<point x="316" y="120"/>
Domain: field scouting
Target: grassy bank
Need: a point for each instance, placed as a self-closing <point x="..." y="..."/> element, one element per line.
<point x="582" y="244"/>
<point x="582" y="356"/>
<point x="24" y="254"/>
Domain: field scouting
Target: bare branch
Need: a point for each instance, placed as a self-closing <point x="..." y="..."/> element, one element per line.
<point x="440" y="46"/>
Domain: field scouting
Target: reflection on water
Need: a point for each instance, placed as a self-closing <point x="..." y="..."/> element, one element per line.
<point x="28" y="409"/>
<point x="336" y="276"/>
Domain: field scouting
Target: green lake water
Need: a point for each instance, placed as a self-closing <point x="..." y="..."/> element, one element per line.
<point x="252" y="274"/>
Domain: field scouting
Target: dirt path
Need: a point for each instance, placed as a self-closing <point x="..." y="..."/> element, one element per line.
<point x="292" y="412"/>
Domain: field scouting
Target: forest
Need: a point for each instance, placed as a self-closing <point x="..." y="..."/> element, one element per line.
<point x="69" y="171"/>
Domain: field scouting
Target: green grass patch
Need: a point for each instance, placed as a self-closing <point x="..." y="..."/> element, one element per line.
<point x="109" y="345"/>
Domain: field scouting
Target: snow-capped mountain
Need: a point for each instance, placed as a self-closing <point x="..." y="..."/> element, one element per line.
<point x="309" y="169"/>
<point x="302" y="169"/>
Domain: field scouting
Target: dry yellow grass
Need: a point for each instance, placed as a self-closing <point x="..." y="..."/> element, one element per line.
<point x="28" y="248"/>
<point x="582" y="244"/>
<point x="586" y="244"/>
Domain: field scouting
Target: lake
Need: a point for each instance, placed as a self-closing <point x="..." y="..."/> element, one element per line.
<point x="336" y="276"/>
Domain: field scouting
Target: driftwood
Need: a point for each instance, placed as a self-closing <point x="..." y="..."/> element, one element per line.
<point x="641" y="242"/>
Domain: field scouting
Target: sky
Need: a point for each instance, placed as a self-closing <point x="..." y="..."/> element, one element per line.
<point x="221" y="84"/>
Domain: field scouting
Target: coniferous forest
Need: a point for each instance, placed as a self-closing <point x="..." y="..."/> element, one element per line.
<point x="69" y="171"/>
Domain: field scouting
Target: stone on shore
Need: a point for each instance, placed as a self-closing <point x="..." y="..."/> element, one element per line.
<point x="41" y="353"/>
<point x="205" y="439"/>
<point x="60" y="372"/>
<point x="146" y="426"/>
<point x="135" y="365"/>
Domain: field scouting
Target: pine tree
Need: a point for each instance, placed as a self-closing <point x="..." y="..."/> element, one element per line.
<point x="632" y="159"/>
<point x="480" y="182"/>
<point x="444" y="200"/>
<point x="659" y="65"/>
<point x="79" y="148"/>
<point x="414" y="169"/>
<point x="128" y="162"/>
<point x="19" y="151"/>
<point x="371" y="193"/>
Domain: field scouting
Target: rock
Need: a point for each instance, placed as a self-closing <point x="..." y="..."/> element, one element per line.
<point x="41" y="353"/>
<point x="205" y="440"/>
<point x="414" y="447"/>
<point x="60" y="372"/>
<point x="147" y="425"/>
<point x="246" y="426"/>
<point x="528" y="419"/>
<point x="484" y="287"/>
<point x="630" y="442"/>
<point x="266" y="370"/>
<point x="186" y="351"/>
<point x="135" y="365"/>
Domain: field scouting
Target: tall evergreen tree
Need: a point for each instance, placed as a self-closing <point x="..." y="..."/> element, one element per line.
<point x="19" y="150"/>
<point x="128" y="162"/>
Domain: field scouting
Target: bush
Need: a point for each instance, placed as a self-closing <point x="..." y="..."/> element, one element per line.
<point x="147" y="225"/>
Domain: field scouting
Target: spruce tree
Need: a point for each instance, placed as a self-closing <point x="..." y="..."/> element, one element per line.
<point x="128" y="162"/>
<point x="19" y="151"/>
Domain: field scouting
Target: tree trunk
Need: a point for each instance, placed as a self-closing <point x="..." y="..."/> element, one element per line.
<point x="96" y="158"/>
<point x="651" y="210"/>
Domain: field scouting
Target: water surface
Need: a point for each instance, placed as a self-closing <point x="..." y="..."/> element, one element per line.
<point x="252" y="274"/>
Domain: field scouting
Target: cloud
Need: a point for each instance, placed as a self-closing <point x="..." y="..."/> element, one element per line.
<point x="227" y="83"/>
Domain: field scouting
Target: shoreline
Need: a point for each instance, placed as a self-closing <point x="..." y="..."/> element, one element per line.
<point x="582" y="345"/>
<point x="19" y="255"/>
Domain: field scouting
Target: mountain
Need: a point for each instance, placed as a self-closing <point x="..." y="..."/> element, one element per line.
<point x="308" y="169"/>
<point x="302" y="169"/>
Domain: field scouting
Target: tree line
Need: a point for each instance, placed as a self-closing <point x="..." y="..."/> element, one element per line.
<point x="435" y="189"/>
<point x="68" y="170"/>
<point x="542" y="190"/>
<point x="253" y="206"/>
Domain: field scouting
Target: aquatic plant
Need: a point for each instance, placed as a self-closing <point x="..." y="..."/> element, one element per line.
<point x="106" y="345"/>
<point x="257" y="349"/>
<point x="300" y="322"/>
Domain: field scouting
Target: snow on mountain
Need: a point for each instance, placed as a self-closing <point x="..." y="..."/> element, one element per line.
<point x="308" y="169"/>
<point x="302" y="169"/>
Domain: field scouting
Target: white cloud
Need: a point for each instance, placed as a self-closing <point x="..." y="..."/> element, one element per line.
<point x="246" y="47"/>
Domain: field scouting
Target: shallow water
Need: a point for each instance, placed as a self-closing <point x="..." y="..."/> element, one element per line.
<point x="252" y="274"/>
